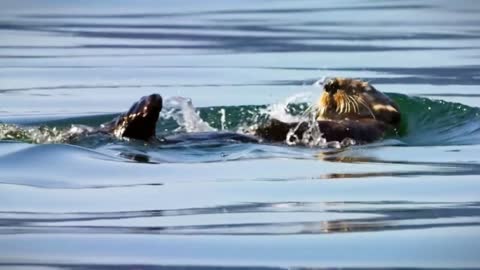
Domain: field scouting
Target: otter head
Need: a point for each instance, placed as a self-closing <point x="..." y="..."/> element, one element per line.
<point x="140" y="121"/>
<point x="349" y="99"/>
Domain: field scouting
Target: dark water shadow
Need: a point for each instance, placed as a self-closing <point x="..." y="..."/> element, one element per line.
<point x="383" y="216"/>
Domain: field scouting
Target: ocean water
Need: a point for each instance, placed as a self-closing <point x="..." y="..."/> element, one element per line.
<point x="410" y="201"/>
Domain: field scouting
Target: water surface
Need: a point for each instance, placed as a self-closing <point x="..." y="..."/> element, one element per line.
<point x="411" y="201"/>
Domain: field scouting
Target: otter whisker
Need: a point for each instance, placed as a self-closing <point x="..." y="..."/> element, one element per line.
<point x="338" y="105"/>
<point x="357" y="107"/>
<point x="323" y="104"/>
<point x="362" y="101"/>
<point x="344" y="103"/>
<point x="354" y="104"/>
<point x="349" y="104"/>
<point x="351" y="107"/>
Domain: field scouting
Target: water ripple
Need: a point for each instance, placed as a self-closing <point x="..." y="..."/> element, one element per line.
<point x="374" y="216"/>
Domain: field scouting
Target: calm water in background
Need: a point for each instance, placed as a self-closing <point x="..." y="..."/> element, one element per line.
<point x="412" y="203"/>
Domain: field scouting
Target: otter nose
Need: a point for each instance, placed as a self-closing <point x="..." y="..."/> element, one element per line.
<point x="331" y="87"/>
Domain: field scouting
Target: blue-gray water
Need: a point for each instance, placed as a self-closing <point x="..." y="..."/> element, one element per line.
<point x="408" y="202"/>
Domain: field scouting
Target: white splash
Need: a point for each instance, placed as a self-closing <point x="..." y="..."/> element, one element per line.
<point x="312" y="136"/>
<point x="79" y="130"/>
<point x="280" y="111"/>
<point x="185" y="114"/>
<point x="223" y="117"/>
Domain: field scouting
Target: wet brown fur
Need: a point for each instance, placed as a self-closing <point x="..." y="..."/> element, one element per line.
<point x="347" y="108"/>
<point x="350" y="99"/>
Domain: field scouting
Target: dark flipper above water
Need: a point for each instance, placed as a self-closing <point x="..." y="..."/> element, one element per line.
<point x="139" y="122"/>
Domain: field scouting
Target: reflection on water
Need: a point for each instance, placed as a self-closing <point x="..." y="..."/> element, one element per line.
<point x="406" y="202"/>
<point x="372" y="216"/>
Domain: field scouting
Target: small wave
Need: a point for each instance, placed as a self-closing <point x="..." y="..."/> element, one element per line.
<point x="429" y="122"/>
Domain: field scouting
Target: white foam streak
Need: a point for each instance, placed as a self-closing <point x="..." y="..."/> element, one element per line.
<point x="223" y="118"/>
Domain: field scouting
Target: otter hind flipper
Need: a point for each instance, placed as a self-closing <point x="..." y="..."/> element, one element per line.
<point x="139" y="122"/>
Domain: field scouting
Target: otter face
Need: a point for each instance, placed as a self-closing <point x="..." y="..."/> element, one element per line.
<point x="141" y="119"/>
<point x="349" y="99"/>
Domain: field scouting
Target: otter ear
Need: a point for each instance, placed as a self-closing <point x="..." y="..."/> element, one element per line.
<point x="367" y="87"/>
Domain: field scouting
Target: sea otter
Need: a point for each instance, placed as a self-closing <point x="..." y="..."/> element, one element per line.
<point x="347" y="109"/>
